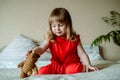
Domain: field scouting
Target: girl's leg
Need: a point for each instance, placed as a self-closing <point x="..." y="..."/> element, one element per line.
<point x="74" y="68"/>
<point x="44" y="70"/>
<point x="52" y="68"/>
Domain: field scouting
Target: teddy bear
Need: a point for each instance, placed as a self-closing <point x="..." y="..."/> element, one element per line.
<point x="28" y="66"/>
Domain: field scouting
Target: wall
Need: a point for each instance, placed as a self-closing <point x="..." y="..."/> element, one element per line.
<point x="30" y="17"/>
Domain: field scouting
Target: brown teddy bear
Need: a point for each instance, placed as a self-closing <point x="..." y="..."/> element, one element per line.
<point x="28" y="66"/>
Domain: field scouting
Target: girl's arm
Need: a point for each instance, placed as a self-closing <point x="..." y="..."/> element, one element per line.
<point x="85" y="59"/>
<point x="83" y="56"/>
<point x="42" y="48"/>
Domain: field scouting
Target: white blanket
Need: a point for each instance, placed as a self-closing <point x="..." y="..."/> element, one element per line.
<point x="109" y="70"/>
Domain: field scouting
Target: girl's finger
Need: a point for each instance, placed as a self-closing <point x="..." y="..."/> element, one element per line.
<point x="86" y="68"/>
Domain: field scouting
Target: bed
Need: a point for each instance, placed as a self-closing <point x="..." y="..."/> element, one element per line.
<point x="14" y="53"/>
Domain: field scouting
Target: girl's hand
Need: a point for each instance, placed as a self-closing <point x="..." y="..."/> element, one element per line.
<point x="91" y="68"/>
<point x="36" y="50"/>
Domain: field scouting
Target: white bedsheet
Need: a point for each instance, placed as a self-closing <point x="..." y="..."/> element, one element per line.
<point x="110" y="70"/>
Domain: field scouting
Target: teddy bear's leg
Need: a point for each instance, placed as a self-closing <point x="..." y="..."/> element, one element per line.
<point x="35" y="70"/>
<point x="23" y="75"/>
<point x="29" y="73"/>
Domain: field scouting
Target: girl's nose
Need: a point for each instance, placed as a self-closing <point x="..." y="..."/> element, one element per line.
<point x="58" y="28"/>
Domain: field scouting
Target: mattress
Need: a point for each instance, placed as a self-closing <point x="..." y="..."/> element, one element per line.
<point x="109" y="70"/>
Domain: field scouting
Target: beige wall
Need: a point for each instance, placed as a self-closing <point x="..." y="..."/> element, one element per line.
<point x="30" y="17"/>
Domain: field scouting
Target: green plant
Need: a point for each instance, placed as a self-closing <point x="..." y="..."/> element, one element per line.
<point x="113" y="21"/>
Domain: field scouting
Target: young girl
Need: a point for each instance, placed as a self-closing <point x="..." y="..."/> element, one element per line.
<point x="68" y="55"/>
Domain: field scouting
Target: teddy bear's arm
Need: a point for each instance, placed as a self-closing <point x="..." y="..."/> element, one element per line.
<point x="21" y="64"/>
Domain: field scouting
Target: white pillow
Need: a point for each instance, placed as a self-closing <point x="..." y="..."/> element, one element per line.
<point x="19" y="46"/>
<point x="16" y="50"/>
<point x="46" y="55"/>
<point x="93" y="52"/>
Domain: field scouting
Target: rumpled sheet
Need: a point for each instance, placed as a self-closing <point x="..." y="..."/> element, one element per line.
<point x="109" y="70"/>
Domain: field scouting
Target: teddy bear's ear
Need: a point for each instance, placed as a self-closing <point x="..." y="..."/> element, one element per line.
<point x="30" y="51"/>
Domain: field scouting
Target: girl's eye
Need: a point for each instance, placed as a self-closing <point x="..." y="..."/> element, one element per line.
<point x="60" y="25"/>
<point x="53" y="26"/>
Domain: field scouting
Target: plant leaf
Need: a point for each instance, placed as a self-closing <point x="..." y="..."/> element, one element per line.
<point x="115" y="35"/>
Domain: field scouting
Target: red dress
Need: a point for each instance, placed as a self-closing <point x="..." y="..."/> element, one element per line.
<point x="65" y="59"/>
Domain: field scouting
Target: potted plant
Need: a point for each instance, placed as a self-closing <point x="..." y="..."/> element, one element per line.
<point x="114" y="21"/>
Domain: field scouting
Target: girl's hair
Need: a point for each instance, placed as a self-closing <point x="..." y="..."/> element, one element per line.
<point x="63" y="16"/>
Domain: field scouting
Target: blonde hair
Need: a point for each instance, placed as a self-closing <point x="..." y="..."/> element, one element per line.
<point x="63" y="16"/>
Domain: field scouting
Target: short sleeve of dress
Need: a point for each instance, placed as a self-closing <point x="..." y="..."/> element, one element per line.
<point x="78" y="39"/>
<point x="50" y="42"/>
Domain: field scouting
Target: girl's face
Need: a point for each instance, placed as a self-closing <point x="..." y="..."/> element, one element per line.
<point x="58" y="29"/>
